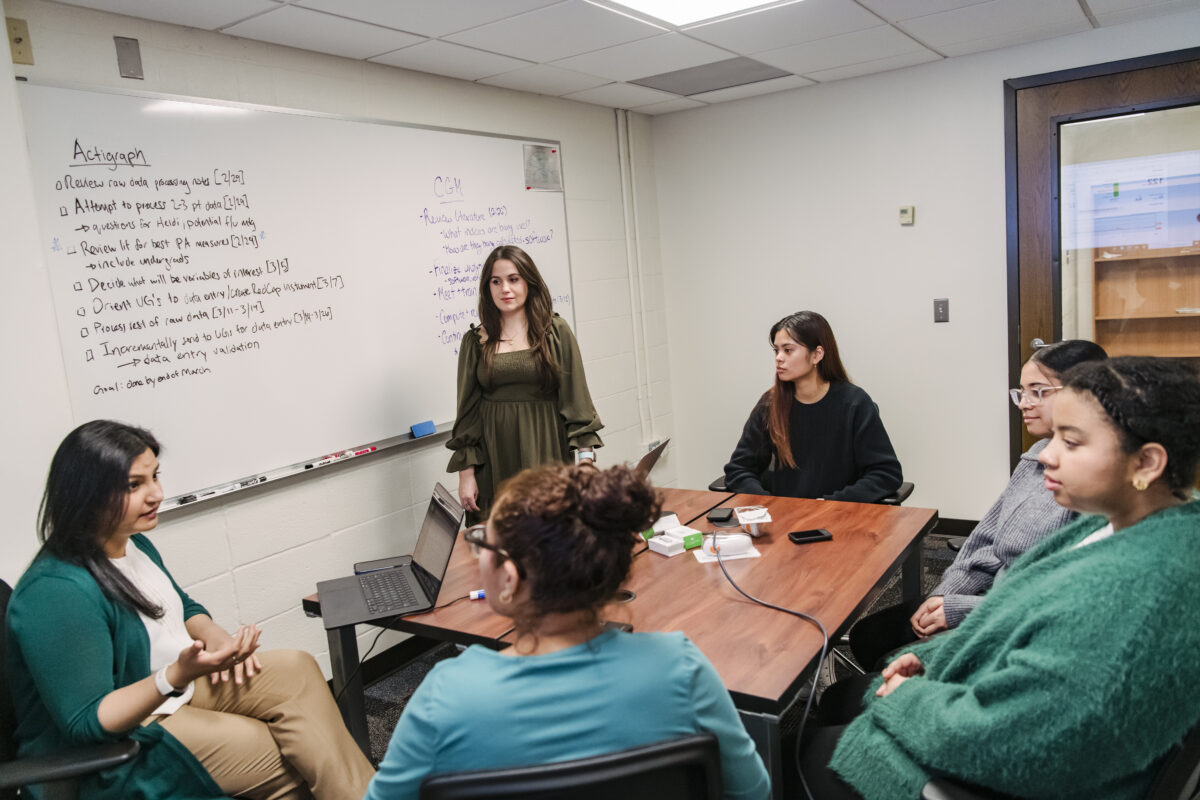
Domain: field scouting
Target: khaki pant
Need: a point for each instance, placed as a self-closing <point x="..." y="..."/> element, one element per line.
<point x="278" y="735"/>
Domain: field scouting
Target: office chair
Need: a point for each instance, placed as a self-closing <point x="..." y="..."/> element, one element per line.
<point x="1177" y="779"/>
<point x="894" y="499"/>
<point x="58" y="774"/>
<point x="688" y="768"/>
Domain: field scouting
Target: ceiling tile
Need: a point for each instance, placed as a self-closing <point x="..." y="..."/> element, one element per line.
<point x="453" y="60"/>
<point x="651" y="56"/>
<point x="1010" y="39"/>
<point x="556" y="32"/>
<point x="894" y="10"/>
<point x="785" y="25"/>
<point x="840" y="51"/>
<point x="621" y="95"/>
<point x="878" y="65"/>
<point x="682" y="104"/>
<point x="542" y="79"/>
<point x="1117" y="12"/>
<point x="429" y="18"/>
<point x="993" y="20"/>
<point x="323" y="33"/>
<point x="209" y="15"/>
<point x="753" y="89"/>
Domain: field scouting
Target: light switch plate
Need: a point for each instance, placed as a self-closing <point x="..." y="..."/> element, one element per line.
<point x="908" y="215"/>
<point x="941" y="309"/>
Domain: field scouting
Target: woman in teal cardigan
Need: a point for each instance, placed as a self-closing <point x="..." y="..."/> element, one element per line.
<point x="102" y="643"/>
<point x="1075" y="675"/>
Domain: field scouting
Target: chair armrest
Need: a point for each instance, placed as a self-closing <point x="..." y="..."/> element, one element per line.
<point x="68" y="764"/>
<point x="899" y="496"/>
<point x="949" y="789"/>
<point x="718" y="485"/>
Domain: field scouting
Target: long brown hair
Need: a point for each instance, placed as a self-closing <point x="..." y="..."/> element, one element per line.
<point x="811" y="330"/>
<point x="539" y="314"/>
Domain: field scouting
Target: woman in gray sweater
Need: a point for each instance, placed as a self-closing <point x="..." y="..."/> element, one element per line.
<point x="1023" y="515"/>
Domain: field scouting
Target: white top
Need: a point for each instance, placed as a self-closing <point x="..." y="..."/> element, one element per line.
<point x="1096" y="536"/>
<point x="168" y="635"/>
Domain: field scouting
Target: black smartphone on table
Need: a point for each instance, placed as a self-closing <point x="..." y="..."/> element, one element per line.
<point x="814" y="535"/>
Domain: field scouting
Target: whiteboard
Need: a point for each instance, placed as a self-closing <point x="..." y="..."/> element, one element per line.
<point x="264" y="288"/>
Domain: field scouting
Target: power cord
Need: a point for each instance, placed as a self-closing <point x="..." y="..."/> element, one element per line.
<point x="816" y="673"/>
<point x="375" y="641"/>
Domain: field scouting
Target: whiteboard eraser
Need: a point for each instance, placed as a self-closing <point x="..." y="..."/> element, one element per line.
<point x="423" y="429"/>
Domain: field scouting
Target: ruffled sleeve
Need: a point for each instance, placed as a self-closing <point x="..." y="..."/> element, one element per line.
<point x="467" y="437"/>
<point x="574" y="400"/>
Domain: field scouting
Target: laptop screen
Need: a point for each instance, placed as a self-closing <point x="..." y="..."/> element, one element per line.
<point x="438" y="532"/>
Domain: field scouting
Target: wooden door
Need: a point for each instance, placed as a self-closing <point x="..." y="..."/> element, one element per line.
<point x="1035" y="107"/>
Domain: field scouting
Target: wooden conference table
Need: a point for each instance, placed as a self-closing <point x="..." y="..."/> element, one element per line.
<point x="763" y="656"/>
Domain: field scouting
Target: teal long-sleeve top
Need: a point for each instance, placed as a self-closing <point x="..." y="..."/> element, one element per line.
<point x="1072" y="679"/>
<point x="484" y="710"/>
<point x="67" y="645"/>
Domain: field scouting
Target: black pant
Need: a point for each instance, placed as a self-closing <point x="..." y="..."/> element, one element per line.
<point x="840" y="704"/>
<point x="875" y="636"/>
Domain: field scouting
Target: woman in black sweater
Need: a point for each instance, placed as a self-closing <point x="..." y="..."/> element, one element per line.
<point x="814" y="433"/>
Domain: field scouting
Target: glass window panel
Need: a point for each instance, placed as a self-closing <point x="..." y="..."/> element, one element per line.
<point x="1129" y="223"/>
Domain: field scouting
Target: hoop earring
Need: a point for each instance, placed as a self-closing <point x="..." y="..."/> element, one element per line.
<point x="1140" y="484"/>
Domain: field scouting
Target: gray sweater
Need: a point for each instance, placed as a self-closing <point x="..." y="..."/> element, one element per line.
<point x="1024" y="515"/>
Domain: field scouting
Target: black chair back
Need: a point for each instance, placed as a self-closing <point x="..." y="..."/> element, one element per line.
<point x="688" y="768"/>
<point x="1179" y="776"/>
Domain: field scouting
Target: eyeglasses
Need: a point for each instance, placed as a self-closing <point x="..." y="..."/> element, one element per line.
<point x="476" y="536"/>
<point x="1034" y="396"/>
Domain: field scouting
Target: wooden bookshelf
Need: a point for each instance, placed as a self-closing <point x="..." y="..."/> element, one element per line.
<point x="1147" y="302"/>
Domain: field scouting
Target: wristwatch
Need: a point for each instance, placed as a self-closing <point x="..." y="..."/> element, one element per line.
<point x="164" y="686"/>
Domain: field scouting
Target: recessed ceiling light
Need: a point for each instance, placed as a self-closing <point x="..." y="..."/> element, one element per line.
<point x="685" y="12"/>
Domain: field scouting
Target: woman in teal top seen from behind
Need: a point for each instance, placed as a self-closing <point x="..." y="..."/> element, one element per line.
<point x="1074" y="677"/>
<point x="556" y="548"/>
<point x="101" y="643"/>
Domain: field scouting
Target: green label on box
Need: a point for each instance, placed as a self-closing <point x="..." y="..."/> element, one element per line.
<point x="693" y="540"/>
<point x="647" y="534"/>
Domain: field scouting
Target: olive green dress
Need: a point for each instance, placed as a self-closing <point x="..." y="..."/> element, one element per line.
<point x="507" y="424"/>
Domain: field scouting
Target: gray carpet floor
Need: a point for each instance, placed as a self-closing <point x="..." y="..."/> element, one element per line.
<point x="386" y="697"/>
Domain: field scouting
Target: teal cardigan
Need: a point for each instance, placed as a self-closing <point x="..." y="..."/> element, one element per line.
<point x="1072" y="679"/>
<point x="68" y="646"/>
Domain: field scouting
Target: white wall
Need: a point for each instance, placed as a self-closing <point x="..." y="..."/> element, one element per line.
<point x="789" y="201"/>
<point x="252" y="556"/>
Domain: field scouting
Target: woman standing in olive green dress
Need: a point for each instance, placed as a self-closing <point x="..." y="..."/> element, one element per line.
<point x="523" y="399"/>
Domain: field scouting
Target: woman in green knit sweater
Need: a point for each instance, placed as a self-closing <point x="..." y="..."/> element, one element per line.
<point x="1074" y="677"/>
<point x="102" y="643"/>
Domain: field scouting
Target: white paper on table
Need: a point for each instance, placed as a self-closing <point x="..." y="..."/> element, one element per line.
<point x="707" y="558"/>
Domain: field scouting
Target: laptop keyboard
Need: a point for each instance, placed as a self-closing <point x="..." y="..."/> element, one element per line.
<point x="386" y="590"/>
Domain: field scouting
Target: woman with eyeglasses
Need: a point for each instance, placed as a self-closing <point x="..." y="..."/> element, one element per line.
<point x="1074" y="678"/>
<point x="1023" y="515"/>
<point x="556" y="548"/>
<point x="813" y="433"/>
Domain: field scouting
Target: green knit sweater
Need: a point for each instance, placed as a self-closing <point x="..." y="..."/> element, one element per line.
<point x="68" y="646"/>
<point x="1072" y="679"/>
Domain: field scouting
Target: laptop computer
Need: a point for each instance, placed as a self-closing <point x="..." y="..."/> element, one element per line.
<point x="410" y="587"/>
<point x="647" y="462"/>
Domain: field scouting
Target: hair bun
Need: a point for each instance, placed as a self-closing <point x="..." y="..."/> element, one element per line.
<point x="615" y="501"/>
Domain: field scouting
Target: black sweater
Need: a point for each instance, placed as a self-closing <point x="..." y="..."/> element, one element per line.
<point x="839" y="444"/>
